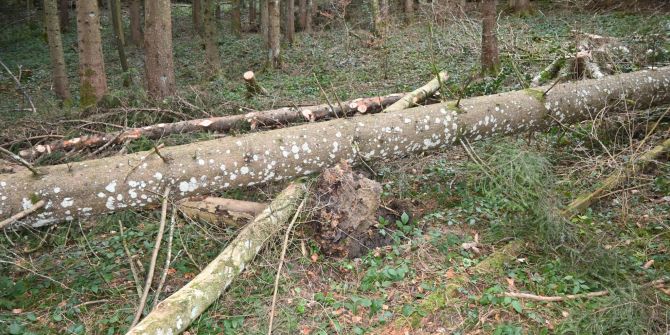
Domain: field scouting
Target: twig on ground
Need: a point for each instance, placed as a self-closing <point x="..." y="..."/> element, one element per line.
<point x="20" y="160"/>
<point x="37" y="274"/>
<point x="555" y="298"/>
<point x="154" y="256"/>
<point x="20" y="215"/>
<point x="168" y="259"/>
<point x="281" y="263"/>
<point x="136" y="277"/>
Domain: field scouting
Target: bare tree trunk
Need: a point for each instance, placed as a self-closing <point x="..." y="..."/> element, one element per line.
<point x="212" y="57"/>
<point x="265" y="23"/>
<point x="408" y="8"/>
<point x="158" y="49"/>
<point x="521" y="7"/>
<point x="274" y="34"/>
<point x="384" y="9"/>
<point x="196" y="13"/>
<point x="252" y="15"/>
<point x="490" y="59"/>
<point x="81" y="189"/>
<point x="64" y="14"/>
<point x="310" y="15"/>
<point x="186" y="305"/>
<point x="56" y="49"/>
<point x="235" y="17"/>
<point x="290" y="21"/>
<point x="115" y="8"/>
<point x="302" y="13"/>
<point x="377" y="20"/>
<point x="92" y="78"/>
<point x="117" y="20"/>
<point x="136" y="23"/>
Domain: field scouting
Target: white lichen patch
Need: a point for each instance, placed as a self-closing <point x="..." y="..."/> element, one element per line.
<point x="67" y="202"/>
<point x="111" y="187"/>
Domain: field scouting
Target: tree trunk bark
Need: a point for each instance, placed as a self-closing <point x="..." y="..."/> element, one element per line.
<point x="115" y="8"/>
<point x="520" y="7"/>
<point x="265" y="23"/>
<point x="136" y="23"/>
<point x="158" y="49"/>
<point x="252" y="15"/>
<point x="196" y="13"/>
<point x="117" y="20"/>
<point x="82" y="189"/>
<point x="310" y="16"/>
<point x="274" y="34"/>
<point x="490" y="59"/>
<point x="384" y="9"/>
<point x="64" y="14"/>
<point x="56" y="50"/>
<point x="290" y="21"/>
<point x="408" y="8"/>
<point x="302" y="13"/>
<point x="216" y="211"/>
<point x="377" y="21"/>
<point x="223" y="124"/>
<point x="92" y="78"/>
<point x="236" y="18"/>
<point x="212" y="58"/>
<point x="174" y="314"/>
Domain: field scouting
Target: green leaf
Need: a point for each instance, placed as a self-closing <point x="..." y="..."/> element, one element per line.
<point x="404" y="218"/>
<point x="15" y="329"/>
<point x="517" y="306"/>
<point x="408" y="310"/>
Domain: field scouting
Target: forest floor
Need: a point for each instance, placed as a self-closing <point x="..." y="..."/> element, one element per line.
<point x="76" y="278"/>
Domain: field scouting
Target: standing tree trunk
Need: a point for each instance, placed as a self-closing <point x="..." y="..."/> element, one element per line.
<point x="408" y="8"/>
<point x="117" y="20"/>
<point x="51" y="19"/>
<point x="384" y="9"/>
<point x="236" y="17"/>
<point x="93" y="81"/>
<point x="63" y="14"/>
<point x="377" y="21"/>
<point x="520" y="7"/>
<point x="115" y="8"/>
<point x="274" y="34"/>
<point x="265" y="22"/>
<point x="490" y="59"/>
<point x="252" y="15"/>
<point x="196" y="14"/>
<point x="136" y="23"/>
<point x="211" y="39"/>
<point x="309" y="16"/>
<point x="290" y="20"/>
<point x="158" y="49"/>
<point x="302" y="13"/>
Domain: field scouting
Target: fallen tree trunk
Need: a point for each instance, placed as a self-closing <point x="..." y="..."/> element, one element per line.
<point x="219" y="210"/>
<point x="110" y="184"/>
<point x="419" y="95"/>
<point x="174" y="314"/>
<point x="269" y="118"/>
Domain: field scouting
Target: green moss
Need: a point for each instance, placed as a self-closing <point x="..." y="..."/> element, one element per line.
<point x="87" y="94"/>
<point x="537" y="94"/>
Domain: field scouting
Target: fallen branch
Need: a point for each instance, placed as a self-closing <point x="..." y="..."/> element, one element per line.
<point x="20" y="215"/>
<point x="583" y="201"/>
<point x="154" y="257"/>
<point x="176" y="313"/>
<point x="222" y="124"/>
<point x="20" y="161"/>
<point x="419" y="95"/>
<point x="219" y="210"/>
<point x="555" y="298"/>
<point x="82" y="189"/>
<point x="168" y="259"/>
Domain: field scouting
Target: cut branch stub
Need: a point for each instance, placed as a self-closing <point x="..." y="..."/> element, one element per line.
<point x="82" y="189"/>
<point x="253" y="88"/>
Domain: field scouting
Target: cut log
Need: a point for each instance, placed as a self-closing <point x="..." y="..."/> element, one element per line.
<point x="174" y="314"/>
<point x="270" y="118"/>
<point x="253" y="88"/>
<point x="619" y="176"/>
<point x="82" y="189"/>
<point x="221" y="211"/>
<point x="419" y="95"/>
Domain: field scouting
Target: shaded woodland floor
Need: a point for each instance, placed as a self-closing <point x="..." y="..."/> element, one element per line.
<point x="75" y="277"/>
